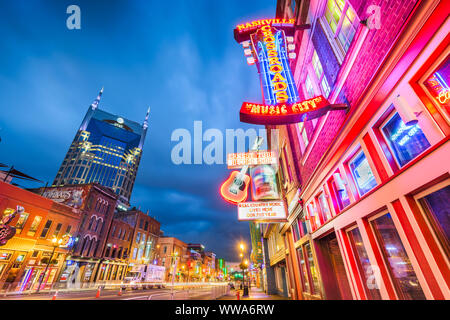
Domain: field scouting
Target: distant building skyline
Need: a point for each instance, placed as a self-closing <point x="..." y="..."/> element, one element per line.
<point x="107" y="149"/>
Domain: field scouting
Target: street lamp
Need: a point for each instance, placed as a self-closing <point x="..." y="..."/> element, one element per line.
<point x="56" y="243"/>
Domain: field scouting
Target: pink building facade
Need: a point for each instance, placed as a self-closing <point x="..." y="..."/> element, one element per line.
<point x="368" y="189"/>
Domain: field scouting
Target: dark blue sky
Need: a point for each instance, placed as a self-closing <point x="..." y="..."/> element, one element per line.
<point x="179" y="57"/>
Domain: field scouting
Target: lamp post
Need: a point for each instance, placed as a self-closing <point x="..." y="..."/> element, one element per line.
<point x="56" y="243"/>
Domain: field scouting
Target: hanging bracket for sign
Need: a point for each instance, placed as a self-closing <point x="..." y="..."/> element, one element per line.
<point x="256" y="113"/>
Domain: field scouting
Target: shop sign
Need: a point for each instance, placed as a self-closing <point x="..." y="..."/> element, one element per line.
<point x="287" y="113"/>
<point x="262" y="211"/>
<point x="238" y="160"/>
<point x="73" y="197"/>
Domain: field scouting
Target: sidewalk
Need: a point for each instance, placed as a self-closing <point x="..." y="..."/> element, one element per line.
<point x="254" y="294"/>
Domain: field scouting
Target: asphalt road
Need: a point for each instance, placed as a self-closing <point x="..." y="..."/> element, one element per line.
<point x="156" y="294"/>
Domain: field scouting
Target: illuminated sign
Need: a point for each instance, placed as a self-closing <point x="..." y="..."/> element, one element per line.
<point x="262" y="211"/>
<point x="277" y="81"/>
<point x="286" y="113"/>
<point x="264" y="183"/>
<point x="73" y="197"/>
<point x="237" y="160"/>
<point x="263" y="22"/>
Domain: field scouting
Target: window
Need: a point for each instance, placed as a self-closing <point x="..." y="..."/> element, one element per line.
<point x="361" y="172"/>
<point x="146" y="226"/>
<point x="437" y="86"/>
<point x="312" y="209"/>
<point x="313" y="270"/>
<point x="138" y="238"/>
<point x="303" y="270"/>
<point x="34" y="226"/>
<point x="342" y="22"/>
<point x="295" y="231"/>
<point x="113" y="232"/>
<point x="46" y="228"/>
<point x="303" y="135"/>
<point x="340" y="191"/>
<point x="141" y="222"/>
<point x="57" y="229"/>
<point x="68" y="229"/>
<point x="324" y="208"/>
<point x="365" y="268"/>
<point x="320" y="74"/>
<point x="134" y="253"/>
<point x="21" y="222"/>
<point x="406" y="142"/>
<point x="309" y="88"/>
<point x="402" y="273"/>
<point x="165" y="249"/>
<point x="437" y="208"/>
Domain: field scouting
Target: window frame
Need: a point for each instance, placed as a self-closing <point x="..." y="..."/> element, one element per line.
<point x="432" y="224"/>
<point x="333" y="37"/>
<point x="388" y="141"/>
<point x="348" y="164"/>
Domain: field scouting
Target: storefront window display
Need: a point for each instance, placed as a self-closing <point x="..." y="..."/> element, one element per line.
<point x="303" y="269"/>
<point x="402" y="272"/>
<point x="313" y="270"/>
<point x="366" y="270"/>
<point x="437" y="207"/>
<point x="406" y="142"/>
<point x="437" y="85"/>
<point x="326" y="213"/>
<point x="362" y="173"/>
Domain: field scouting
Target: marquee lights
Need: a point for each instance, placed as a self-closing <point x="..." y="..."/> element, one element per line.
<point x="276" y="76"/>
<point x="263" y="22"/>
<point x="237" y="160"/>
<point x="286" y="113"/>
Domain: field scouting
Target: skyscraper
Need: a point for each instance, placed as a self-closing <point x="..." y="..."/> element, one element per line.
<point x="107" y="150"/>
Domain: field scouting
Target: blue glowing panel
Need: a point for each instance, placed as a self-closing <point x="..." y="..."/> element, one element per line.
<point x="363" y="175"/>
<point x="406" y="142"/>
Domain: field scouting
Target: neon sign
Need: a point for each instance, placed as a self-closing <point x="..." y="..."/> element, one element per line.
<point x="263" y="22"/>
<point x="262" y="211"/>
<point x="273" y="66"/>
<point x="237" y="160"/>
<point x="286" y="113"/>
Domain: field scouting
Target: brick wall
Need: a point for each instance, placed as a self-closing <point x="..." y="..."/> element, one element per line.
<point x="377" y="44"/>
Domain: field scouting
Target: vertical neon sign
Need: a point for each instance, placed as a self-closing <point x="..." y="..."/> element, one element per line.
<point x="277" y="82"/>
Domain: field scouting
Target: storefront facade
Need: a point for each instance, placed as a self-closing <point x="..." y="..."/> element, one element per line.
<point x="25" y="257"/>
<point x="370" y="217"/>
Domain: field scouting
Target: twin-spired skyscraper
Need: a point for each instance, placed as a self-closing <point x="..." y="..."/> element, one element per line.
<point x="106" y="150"/>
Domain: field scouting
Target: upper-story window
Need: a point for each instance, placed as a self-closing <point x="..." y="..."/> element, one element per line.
<point x="406" y="142"/>
<point x="342" y="23"/>
<point x="338" y="185"/>
<point x="34" y="226"/>
<point x="362" y="173"/>
<point x="321" y="79"/>
<point x="302" y="131"/>
<point x="324" y="208"/>
<point x="309" y="88"/>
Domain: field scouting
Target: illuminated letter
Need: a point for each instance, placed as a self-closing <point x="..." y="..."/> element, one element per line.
<point x="266" y="28"/>
<point x="281" y="96"/>
<point x="272" y="53"/>
<point x="274" y="60"/>
<point x="277" y="86"/>
<point x="278" y="77"/>
<point x="276" y="68"/>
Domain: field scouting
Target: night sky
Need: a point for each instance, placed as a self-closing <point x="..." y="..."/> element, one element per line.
<point x="178" y="57"/>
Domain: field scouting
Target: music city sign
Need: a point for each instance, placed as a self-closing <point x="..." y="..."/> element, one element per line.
<point x="270" y="43"/>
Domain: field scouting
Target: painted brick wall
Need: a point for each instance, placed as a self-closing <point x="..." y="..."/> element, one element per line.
<point x="377" y="44"/>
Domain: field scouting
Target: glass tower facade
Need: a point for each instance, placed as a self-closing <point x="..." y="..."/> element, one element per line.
<point x="106" y="150"/>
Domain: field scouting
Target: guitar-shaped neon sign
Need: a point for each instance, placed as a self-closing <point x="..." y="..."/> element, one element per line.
<point x="235" y="188"/>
